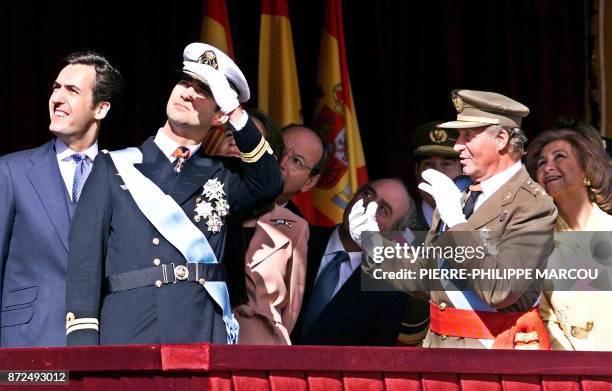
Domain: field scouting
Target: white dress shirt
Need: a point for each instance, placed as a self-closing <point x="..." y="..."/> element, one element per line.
<point x="428" y="212"/>
<point x="66" y="163"/>
<point x="346" y="268"/>
<point x="168" y="146"/>
<point x="491" y="185"/>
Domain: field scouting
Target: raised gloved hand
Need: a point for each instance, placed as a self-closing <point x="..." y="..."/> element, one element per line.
<point x="362" y="219"/>
<point x="446" y="194"/>
<point x="225" y="96"/>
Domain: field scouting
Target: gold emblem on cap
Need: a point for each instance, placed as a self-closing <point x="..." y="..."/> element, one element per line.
<point x="438" y="136"/>
<point x="209" y="58"/>
<point x="457" y="102"/>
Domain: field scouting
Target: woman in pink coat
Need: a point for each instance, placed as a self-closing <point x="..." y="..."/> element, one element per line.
<point x="275" y="260"/>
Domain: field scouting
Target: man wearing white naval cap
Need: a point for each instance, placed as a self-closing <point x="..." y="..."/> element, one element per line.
<point x="149" y="233"/>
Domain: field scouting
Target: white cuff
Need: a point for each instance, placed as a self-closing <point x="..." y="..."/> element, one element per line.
<point x="238" y="125"/>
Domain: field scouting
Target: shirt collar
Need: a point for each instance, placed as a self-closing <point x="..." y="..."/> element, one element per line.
<point x="168" y="146"/>
<point x="491" y="185"/>
<point x="334" y="245"/>
<point x="63" y="152"/>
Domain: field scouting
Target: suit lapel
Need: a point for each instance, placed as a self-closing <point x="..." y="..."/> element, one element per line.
<point x="195" y="173"/>
<point x="492" y="207"/>
<point x="155" y="165"/>
<point x="319" y="236"/>
<point x="269" y="239"/>
<point x="47" y="181"/>
<point x="338" y="302"/>
<point x="488" y="211"/>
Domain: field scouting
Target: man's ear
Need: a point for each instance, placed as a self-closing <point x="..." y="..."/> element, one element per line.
<point x="502" y="138"/>
<point x="310" y="183"/>
<point x="219" y="118"/>
<point x="101" y="110"/>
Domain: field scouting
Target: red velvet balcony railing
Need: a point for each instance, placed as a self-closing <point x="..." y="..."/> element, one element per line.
<point x="203" y="366"/>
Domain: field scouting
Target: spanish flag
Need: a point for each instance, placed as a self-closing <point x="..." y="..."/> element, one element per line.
<point x="216" y="31"/>
<point x="336" y="122"/>
<point x="215" y="26"/>
<point x="278" y="89"/>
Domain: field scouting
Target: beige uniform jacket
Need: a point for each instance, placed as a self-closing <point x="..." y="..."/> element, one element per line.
<point x="275" y="268"/>
<point x="515" y="226"/>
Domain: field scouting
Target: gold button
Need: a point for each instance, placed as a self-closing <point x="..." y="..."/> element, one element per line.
<point x="442" y="306"/>
<point x="156" y="241"/>
<point x="156" y="261"/>
<point x="201" y="281"/>
<point x="158" y="283"/>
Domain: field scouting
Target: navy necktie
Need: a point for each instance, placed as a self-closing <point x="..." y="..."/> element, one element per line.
<point x="470" y="203"/>
<point x="462" y="182"/>
<point x="81" y="172"/>
<point x="323" y="288"/>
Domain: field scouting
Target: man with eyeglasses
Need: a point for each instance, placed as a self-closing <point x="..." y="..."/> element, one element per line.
<point x="302" y="164"/>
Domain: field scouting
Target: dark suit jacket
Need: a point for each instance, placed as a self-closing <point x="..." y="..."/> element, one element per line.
<point x="294" y="208"/>
<point x="34" y="224"/>
<point x="110" y="235"/>
<point x="352" y="317"/>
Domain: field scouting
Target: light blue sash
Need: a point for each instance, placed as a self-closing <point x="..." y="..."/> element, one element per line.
<point x="170" y="220"/>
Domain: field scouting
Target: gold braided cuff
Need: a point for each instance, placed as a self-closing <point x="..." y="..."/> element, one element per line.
<point x="73" y="324"/>
<point x="257" y="152"/>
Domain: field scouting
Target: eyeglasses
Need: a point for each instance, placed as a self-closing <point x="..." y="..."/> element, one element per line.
<point x="297" y="162"/>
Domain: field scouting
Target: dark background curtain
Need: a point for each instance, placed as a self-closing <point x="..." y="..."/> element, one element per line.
<point x="404" y="59"/>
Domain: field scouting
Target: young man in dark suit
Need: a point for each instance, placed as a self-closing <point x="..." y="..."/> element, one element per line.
<point x="39" y="189"/>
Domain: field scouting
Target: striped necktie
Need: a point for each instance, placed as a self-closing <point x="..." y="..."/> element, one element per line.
<point x="181" y="154"/>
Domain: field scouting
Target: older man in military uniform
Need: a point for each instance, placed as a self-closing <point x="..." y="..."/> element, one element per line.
<point x="147" y="238"/>
<point x="504" y="213"/>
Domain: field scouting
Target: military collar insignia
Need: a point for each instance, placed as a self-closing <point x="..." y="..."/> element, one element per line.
<point x="212" y="205"/>
<point x="438" y="136"/>
<point x="209" y="58"/>
<point x="457" y="102"/>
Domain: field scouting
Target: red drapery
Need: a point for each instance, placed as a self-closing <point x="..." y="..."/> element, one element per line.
<point x="203" y="366"/>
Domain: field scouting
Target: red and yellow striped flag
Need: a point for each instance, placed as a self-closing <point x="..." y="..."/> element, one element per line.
<point x="215" y="26"/>
<point x="216" y="31"/>
<point x="336" y="121"/>
<point x="278" y="89"/>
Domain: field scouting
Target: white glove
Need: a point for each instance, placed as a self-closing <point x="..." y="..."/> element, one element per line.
<point x="362" y="219"/>
<point x="446" y="194"/>
<point x="225" y="96"/>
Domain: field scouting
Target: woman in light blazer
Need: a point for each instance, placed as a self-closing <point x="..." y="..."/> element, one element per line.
<point x="570" y="163"/>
